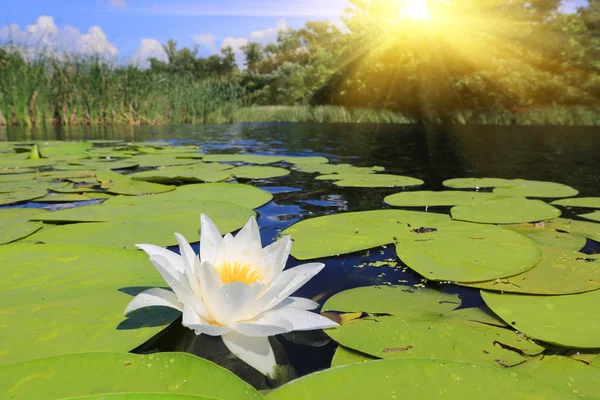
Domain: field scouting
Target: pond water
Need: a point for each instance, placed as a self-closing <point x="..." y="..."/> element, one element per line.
<point x="564" y="155"/>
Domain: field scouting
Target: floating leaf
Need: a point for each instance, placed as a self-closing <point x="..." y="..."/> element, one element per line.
<point x="175" y="175"/>
<point x="63" y="198"/>
<point x="445" y="198"/>
<point x="571" y="320"/>
<point x="163" y="160"/>
<point x="595" y="216"/>
<point x="559" y="271"/>
<point x="474" y="314"/>
<point x="116" y="183"/>
<point x="62" y="299"/>
<point x="236" y="193"/>
<point x="96" y="164"/>
<point x="344" y="356"/>
<point x="463" y="252"/>
<point x="185" y="214"/>
<point x="327" y="169"/>
<point x="537" y="189"/>
<point x="578" y="228"/>
<point x="401" y="301"/>
<point x="8" y="187"/>
<point x="15" y="224"/>
<point x="24" y="163"/>
<point x="585" y="202"/>
<point x="417" y="379"/>
<point x="476" y="183"/>
<point x="53" y="149"/>
<point x="15" y="177"/>
<point x="255" y="172"/>
<point x="244" y="158"/>
<point x="505" y="211"/>
<point x="74" y="375"/>
<point x="542" y="234"/>
<point x="22" y="195"/>
<point x="349" y="232"/>
<point x="563" y="373"/>
<point x="371" y="180"/>
<point x="396" y="337"/>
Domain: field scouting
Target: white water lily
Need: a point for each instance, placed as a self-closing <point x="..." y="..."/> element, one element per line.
<point x="235" y="289"/>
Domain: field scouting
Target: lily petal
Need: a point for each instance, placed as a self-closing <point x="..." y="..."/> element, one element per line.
<point x="266" y="324"/>
<point x="173" y="258"/>
<point x="298" y="302"/>
<point x="210" y="283"/>
<point x="193" y="321"/>
<point x="275" y="257"/>
<point x="302" y="320"/>
<point x="228" y="252"/>
<point x="154" y="297"/>
<point x="248" y="234"/>
<point x="189" y="263"/>
<point x="179" y="284"/>
<point x="255" y="351"/>
<point x="232" y="299"/>
<point x="210" y="239"/>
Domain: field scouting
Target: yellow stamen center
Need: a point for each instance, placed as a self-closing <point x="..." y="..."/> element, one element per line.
<point x="237" y="272"/>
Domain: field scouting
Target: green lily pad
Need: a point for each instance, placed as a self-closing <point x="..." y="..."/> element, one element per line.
<point x="116" y="183"/>
<point x="75" y="175"/>
<point x="91" y="187"/>
<point x="505" y="211"/>
<point x="53" y="149"/>
<point x="349" y="232"/>
<point x="96" y="164"/>
<point x="476" y="183"/>
<point x="16" y="163"/>
<point x="585" y="202"/>
<point x="463" y="252"/>
<point x="559" y="271"/>
<point x="15" y="224"/>
<point x="476" y="315"/>
<point x="256" y="172"/>
<point x="537" y="189"/>
<point x="400" y="301"/>
<point x="327" y="169"/>
<point x="541" y="234"/>
<point x="22" y="195"/>
<point x="126" y="235"/>
<point x="417" y="379"/>
<point x="445" y="198"/>
<point x="9" y="187"/>
<point x="305" y="160"/>
<point x="236" y="193"/>
<point x="141" y="396"/>
<point x="371" y="180"/>
<point x="175" y="175"/>
<point x="595" y="216"/>
<point x="161" y="160"/>
<point x="244" y="158"/>
<point x="564" y="374"/>
<point x="69" y="375"/>
<point x="570" y="320"/>
<point x="577" y="228"/>
<point x="63" y="198"/>
<point x="344" y="356"/>
<point x="61" y="299"/>
<point x="13" y="171"/>
<point x="16" y="177"/>
<point x="185" y="213"/>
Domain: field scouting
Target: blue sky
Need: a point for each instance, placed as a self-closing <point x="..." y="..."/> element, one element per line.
<point x="135" y="28"/>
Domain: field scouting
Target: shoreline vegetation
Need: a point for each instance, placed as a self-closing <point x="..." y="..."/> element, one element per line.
<point x="377" y="70"/>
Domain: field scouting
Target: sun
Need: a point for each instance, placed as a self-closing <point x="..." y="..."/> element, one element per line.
<point x="415" y="9"/>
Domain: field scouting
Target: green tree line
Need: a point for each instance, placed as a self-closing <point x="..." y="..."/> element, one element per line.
<point x="474" y="61"/>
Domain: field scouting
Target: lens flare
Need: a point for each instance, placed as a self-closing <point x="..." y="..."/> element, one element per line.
<point x="415" y="9"/>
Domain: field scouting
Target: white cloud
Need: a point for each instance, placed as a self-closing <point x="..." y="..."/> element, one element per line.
<point x="207" y="40"/>
<point x="149" y="48"/>
<point x="117" y="3"/>
<point x="45" y="35"/>
<point x="270" y="34"/>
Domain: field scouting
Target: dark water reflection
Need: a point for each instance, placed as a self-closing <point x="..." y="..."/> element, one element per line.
<point x="566" y="155"/>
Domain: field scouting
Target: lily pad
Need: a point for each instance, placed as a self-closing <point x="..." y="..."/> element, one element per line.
<point x="126" y="235"/>
<point x="396" y="337"/>
<point x="16" y="178"/>
<point x="445" y="198"/>
<point x="69" y="375"/>
<point x="96" y="164"/>
<point x="585" y="202"/>
<point x="476" y="183"/>
<point x="537" y="189"/>
<point x="244" y="158"/>
<point x="22" y="195"/>
<point x="15" y="224"/>
<point x="371" y="180"/>
<point x="15" y="163"/>
<point x="53" y="149"/>
<point x="63" y="198"/>
<point x="564" y="374"/>
<point x="463" y="252"/>
<point x="570" y="320"/>
<point x="344" y="356"/>
<point x="163" y="160"/>
<point x="559" y="271"/>
<point x="236" y="193"/>
<point x="541" y="234"/>
<point x="476" y="315"/>
<point x="184" y="213"/>
<point x="327" y="169"/>
<point x="578" y="228"/>
<point x="595" y="216"/>
<point x="400" y="301"/>
<point x="416" y="379"/>
<point x="349" y="232"/>
<point x="176" y="175"/>
<point x="116" y="183"/>
<point x="60" y="299"/>
<point x="505" y="211"/>
<point x="256" y="172"/>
